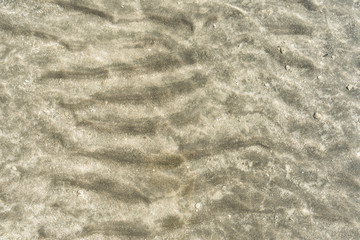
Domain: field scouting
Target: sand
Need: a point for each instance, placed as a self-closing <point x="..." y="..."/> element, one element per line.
<point x="179" y="119"/>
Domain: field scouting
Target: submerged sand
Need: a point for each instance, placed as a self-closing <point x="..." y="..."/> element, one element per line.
<point x="179" y="119"/>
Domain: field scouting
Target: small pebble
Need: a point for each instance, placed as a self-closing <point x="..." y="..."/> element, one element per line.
<point x="81" y="193"/>
<point x="317" y="115"/>
<point x="198" y="205"/>
<point x="287" y="67"/>
<point x="267" y="85"/>
<point x="349" y="87"/>
<point x="319" y="77"/>
<point x="282" y="50"/>
<point x="14" y="168"/>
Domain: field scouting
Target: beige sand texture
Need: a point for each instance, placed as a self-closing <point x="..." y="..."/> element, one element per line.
<point x="154" y="119"/>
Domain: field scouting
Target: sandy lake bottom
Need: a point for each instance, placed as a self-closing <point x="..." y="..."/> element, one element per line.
<point x="154" y="119"/>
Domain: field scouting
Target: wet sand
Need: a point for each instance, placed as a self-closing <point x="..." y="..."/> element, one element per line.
<point x="179" y="119"/>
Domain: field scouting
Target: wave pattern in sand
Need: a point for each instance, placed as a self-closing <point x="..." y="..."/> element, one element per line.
<point x="179" y="120"/>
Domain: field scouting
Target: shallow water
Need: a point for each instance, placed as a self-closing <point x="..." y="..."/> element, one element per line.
<point x="179" y="119"/>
